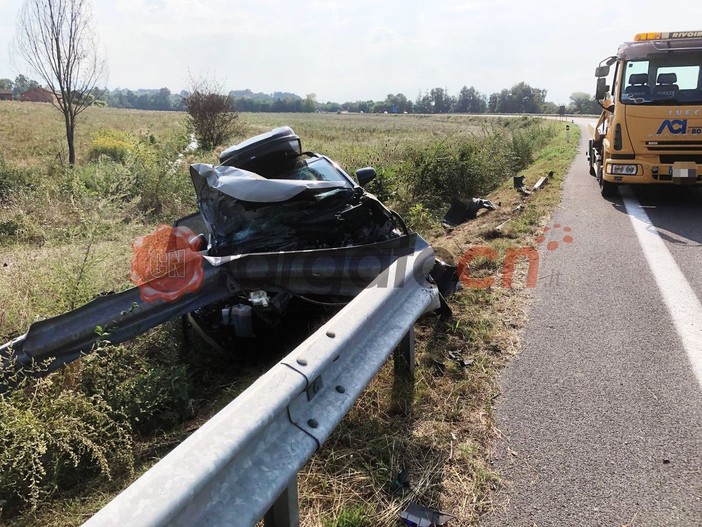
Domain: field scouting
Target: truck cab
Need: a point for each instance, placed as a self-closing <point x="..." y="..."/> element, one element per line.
<point x="650" y="130"/>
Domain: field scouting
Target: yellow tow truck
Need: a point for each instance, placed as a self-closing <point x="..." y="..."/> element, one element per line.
<point x="650" y="130"/>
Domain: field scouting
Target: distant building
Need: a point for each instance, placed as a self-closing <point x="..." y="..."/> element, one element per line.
<point x="5" y="95"/>
<point x="38" y="94"/>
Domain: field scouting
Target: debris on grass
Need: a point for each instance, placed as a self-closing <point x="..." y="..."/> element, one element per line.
<point x="417" y="515"/>
<point x="461" y="211"/>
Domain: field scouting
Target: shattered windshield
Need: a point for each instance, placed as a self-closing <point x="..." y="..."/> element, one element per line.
<point x="663" y="79"/>
<point x="313" y="169"/>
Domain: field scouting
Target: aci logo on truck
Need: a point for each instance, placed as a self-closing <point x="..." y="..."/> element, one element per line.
<point x="678" y="127"/>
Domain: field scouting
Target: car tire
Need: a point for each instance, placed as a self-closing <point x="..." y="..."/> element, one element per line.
<point x="590" y="157"/>
<point x="607" y="188"/>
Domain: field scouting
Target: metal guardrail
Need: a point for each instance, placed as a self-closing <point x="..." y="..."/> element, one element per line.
<point x="242" y="464"/>
<point x="64" y="338"/>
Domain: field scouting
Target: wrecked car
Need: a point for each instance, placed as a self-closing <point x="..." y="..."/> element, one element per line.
<point x="268" y="194"/>
<point x="277" y="227"/>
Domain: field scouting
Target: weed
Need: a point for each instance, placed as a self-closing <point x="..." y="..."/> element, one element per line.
<point x="419" y="218"/>
<point x="146" y="381"/>
<point x="14" y="179"/>
<point x="114" y="144"/>
<point x="42" y="450"/>
<point x="351" y="516"/>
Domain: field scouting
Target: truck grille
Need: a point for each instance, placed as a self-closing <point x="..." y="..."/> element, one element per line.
<point x="669" y="159"/>
<point x="674" y="146"/>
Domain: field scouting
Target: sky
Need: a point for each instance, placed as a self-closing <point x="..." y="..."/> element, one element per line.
<point x="363" y="49"/>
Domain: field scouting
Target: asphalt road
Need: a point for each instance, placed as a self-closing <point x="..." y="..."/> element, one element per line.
<point x="601" y="412"/>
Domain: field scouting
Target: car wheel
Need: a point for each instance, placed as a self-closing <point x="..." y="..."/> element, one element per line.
<point x="607" y="188"/>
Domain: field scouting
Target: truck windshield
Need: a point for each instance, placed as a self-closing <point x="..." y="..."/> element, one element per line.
<point x="663" y="79"/>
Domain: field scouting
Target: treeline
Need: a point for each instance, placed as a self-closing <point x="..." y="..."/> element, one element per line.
<point x="520" y="98"/>
<point x="161" y="99"/>
<point x="20" y="85"/>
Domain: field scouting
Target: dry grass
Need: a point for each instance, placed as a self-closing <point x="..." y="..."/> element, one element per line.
<point x="359" y="140"/>
<point x="33" y="283"/>
<point x="33" y="134"/>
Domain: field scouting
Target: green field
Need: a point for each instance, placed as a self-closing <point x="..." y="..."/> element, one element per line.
<point x="66" y="235"/>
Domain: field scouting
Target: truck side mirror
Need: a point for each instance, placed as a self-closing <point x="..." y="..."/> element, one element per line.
<point x="602" y="89"/>
<point x="365" y="175"/>
<point x="601" y="71"/>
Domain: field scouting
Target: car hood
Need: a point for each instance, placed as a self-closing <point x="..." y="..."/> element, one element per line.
<point x="249" y="186"/>
<point x="244" y="212"/>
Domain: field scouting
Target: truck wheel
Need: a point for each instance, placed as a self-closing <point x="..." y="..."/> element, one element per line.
<point x="607" y="189"/>
<point x="590" y="157"/>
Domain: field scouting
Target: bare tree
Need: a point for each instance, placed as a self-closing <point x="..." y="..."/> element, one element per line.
<point x="210" y="114"/>
<point x="57" y="41"/>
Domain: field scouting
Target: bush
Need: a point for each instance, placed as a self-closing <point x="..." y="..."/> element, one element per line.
<point x="135" y="169"/>
<point x="383" y="184"/>
<point x="145" y="381"/>
<point x="523" y="152"/>
<point x="13" y="180"/>
<point x="114" y="144"/>
<point x="51" y="438"/>
<point x="211" y="115"/>
<point x="526" y="142"/>
<point x="419" y="219"/>
<point x="456" y="168"/>
<point x="105" y="178"/>
<point x="467" y="167"/>
<point x="21" y="227"/>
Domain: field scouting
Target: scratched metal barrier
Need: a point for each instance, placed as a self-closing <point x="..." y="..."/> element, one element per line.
<point x="241" y="466"/>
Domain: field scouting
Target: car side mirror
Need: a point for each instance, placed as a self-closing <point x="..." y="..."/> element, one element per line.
<point x="365" y="175"/>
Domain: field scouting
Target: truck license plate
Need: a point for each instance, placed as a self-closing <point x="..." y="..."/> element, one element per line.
<point x="684" y="171"/>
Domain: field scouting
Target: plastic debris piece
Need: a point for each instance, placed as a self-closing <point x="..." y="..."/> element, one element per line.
<point x="463" y="362"/>
<point x="401" y="482"/>
<point x="417" y="515"/>
<point x="460" y="211"/>
<point x="520" y="187"/>
<point x="445" y="277"/>
<point x="540" y="183"/>
<point x="498" y="229"/>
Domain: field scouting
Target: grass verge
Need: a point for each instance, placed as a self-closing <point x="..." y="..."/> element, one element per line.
<point x="440" y="428"/>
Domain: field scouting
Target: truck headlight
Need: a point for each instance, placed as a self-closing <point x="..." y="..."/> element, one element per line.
<point x="626" y="170"/>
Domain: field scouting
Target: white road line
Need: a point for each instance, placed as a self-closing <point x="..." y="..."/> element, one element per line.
<point x="682" y="303"/>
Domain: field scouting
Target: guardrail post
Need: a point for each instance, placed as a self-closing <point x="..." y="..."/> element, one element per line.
<point x="404" y="356"/>
<point x="285" y="512"/>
